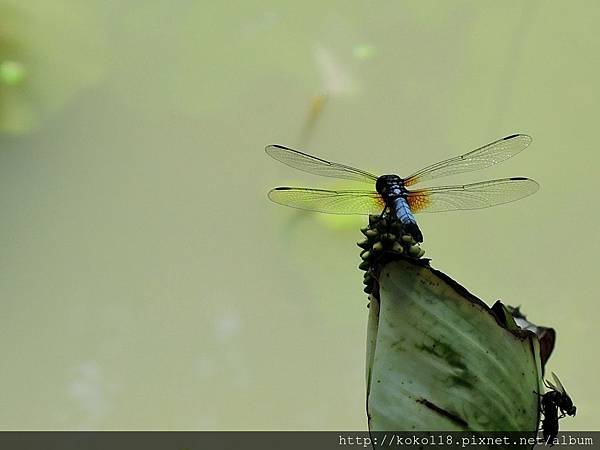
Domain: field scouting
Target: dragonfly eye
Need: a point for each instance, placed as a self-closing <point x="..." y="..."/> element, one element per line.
<point x="387" y="183"/>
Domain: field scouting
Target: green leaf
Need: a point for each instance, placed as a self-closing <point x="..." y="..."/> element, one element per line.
<point x="439" y="359"/>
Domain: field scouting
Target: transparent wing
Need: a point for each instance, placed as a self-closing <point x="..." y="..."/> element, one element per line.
<point x="471" y="196"/>
<point x="481" y="158"/>
<point x="318" y="166"/>
<point x="559" y="387"/>
<point x="331" y="202"/>
<point x="550" y="385"/>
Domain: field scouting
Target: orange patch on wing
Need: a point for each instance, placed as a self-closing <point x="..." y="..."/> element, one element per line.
<point x="419" y="202"/>
<point x="410" y="181"/>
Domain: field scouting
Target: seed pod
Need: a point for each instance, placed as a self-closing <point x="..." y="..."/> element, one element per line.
<point x="397" y="247"/>
<point x="364" y="244"/>
<point x="365" y="265"/>
<point x="414" y="250"/>
<point x="408" y="239"/>
<point x="371" y="233"/>
<point x="388" y="237"/>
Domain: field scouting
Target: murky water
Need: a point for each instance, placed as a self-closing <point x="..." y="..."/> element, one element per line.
<point x="147" y="282"/>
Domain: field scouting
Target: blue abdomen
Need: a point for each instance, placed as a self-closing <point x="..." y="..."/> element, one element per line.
<point x="405" y="215"/>
<point x="403" y="211"/>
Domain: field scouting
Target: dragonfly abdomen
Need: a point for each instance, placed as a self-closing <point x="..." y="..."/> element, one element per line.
<point x="403" y="212"/>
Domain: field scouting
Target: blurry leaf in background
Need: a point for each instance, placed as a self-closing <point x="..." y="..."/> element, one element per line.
<point x="342" y="222"/>
<point x="12" y="73"/>
<point x="49" y="52"/>
<point x="336" y="79"/>
<point x="314" y="113"/>
<point x="364" y="52"/>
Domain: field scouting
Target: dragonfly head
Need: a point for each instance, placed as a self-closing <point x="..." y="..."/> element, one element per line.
<point x="389" y="185"/>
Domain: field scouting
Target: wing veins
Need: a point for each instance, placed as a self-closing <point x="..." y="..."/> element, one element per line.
<point x="484" y="194"/>
<point x="480" y="158"/>
<point x="328" y="201"/>
<point x="318" y="166"/>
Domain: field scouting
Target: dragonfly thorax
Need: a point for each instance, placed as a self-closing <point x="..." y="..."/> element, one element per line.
<point x="390" y="186"/>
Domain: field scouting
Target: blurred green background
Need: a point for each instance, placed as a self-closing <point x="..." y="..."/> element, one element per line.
<point x="147" y="282"/>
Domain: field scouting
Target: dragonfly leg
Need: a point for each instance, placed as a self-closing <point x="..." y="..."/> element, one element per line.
<point x="383" y="212"/>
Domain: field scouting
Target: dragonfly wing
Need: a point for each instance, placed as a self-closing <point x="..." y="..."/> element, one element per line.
<point x="550" y="385"/>
<point x="318" y="166"/>
<point x="559" y="386"/>
<point x="471" y="196"/>
<point x="480" y="158"/>
<point x="332" y="202"/>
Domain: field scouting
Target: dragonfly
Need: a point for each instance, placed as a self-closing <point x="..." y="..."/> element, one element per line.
<point x="392" y="196"/>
